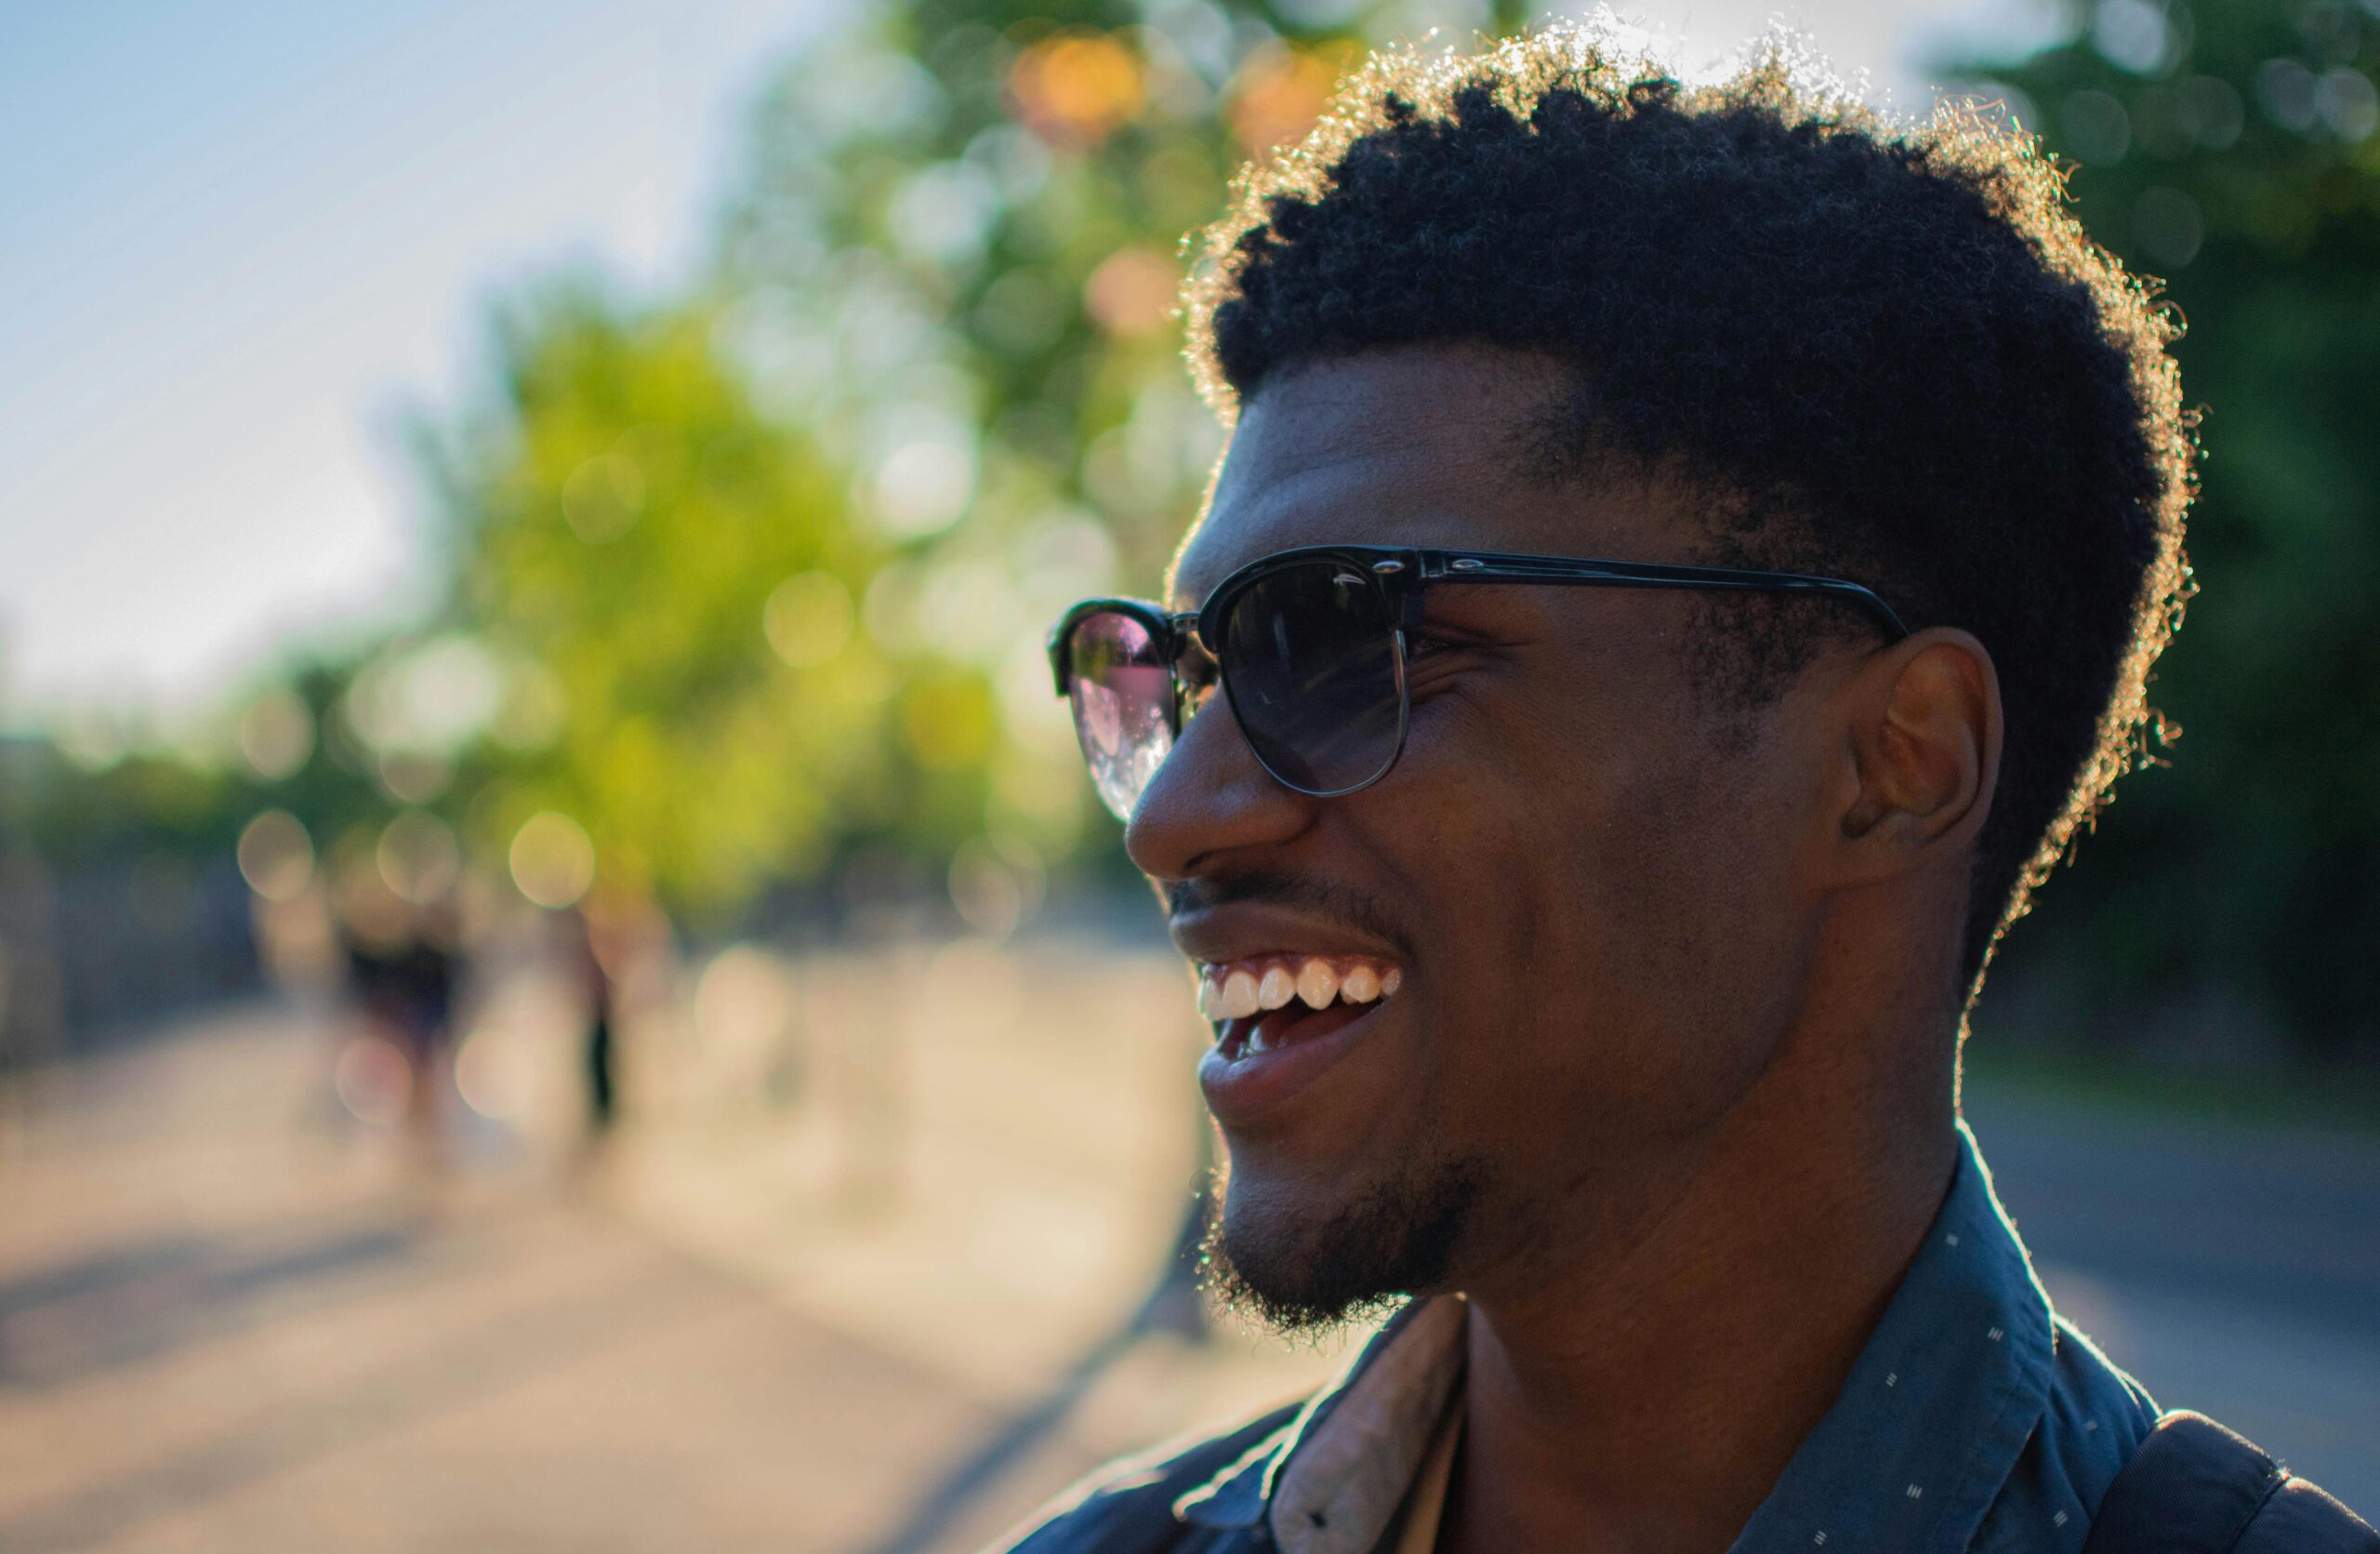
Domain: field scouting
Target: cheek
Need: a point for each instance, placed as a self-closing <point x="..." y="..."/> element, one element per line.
<point x="1504" y="828"/>
<point x="1689" y="897"/>
<point x="1604" y="898"/>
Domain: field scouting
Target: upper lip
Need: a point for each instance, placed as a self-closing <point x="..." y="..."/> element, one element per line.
<point x="1211" y="936"/>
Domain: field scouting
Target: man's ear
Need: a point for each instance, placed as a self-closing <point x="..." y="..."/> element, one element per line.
<point x="1922" y="755"/>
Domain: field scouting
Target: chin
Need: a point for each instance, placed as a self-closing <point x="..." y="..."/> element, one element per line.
<point x="1300" y="1267"/>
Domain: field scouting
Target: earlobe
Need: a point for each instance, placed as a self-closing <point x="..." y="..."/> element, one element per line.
<point x="1925" y="733"/>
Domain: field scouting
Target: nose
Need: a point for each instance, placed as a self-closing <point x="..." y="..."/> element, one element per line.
<point x="1210" y="798"/>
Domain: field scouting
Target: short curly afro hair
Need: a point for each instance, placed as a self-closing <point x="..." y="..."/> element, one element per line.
<point x="1889" y="352"/>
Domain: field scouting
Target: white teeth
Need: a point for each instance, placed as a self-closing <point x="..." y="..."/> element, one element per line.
<point x="1277" y="988"/>
<point x="1317" y="984"/>
<point x="1241" y="990"/>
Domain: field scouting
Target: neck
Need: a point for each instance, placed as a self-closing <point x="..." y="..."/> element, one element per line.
<point x="1645" y="1394"/>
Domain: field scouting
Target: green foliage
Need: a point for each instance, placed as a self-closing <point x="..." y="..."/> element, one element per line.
<point x="666" y="589"/>
<point x="149" y="803"/>
<point x="2228" y="146"/>
<point x="80" y="809"/>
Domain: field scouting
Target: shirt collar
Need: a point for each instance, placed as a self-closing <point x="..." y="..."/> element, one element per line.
<point x="1332" y="1479"/>
<point x="1928" y="1425"/>
<point x="1940" y="1402"/>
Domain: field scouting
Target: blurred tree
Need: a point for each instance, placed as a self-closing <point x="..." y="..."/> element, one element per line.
<point x="2230" y="146"/>
<point x="661" y="637"/>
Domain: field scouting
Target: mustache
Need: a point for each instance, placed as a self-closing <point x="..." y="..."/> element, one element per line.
<point x="1326" y="900"/>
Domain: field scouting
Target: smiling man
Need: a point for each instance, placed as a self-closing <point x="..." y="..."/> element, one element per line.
<point x="1685" y="563"/>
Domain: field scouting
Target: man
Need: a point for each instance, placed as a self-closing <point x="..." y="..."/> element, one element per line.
<point x="1685" y="563"/>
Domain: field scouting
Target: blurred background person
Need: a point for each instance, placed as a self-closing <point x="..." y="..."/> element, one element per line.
<point x="582" y="949"/>
<point x="402" y="961"/>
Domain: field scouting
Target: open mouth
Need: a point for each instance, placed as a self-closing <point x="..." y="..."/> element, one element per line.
<point x="1268" y="1002"/>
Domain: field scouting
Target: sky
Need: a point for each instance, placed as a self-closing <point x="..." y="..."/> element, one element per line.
<point x="240" y="241"/>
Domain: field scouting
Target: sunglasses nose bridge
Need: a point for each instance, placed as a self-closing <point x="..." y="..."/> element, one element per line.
<point x="1188" y="637"/>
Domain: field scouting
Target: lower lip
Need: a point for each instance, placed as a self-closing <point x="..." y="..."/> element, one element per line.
<point x="1239" y="1089"/>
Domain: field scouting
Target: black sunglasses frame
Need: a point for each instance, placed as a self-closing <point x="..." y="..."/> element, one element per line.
<point x="1403" y="577"/>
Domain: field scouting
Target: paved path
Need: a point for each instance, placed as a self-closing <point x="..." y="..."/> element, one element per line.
<point x="885" y="1311"/>
<point x="220" y="1329"/>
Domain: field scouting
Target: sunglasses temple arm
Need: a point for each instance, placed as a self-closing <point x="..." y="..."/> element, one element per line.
<point x="1832" y="588"/>
<point x="1697" y="580"/>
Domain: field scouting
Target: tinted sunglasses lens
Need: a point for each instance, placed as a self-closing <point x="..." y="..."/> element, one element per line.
<point x="1122" y="691"/>
<point x="1310" y="661"/>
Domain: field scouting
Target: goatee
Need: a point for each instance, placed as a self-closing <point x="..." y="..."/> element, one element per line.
<point x="1353" y="1266"/>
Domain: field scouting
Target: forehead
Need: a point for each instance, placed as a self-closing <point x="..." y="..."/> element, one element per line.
<point x="1425" y="447"/>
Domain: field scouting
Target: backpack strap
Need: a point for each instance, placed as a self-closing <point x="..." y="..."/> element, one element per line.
<point x="2197" y="1488"/>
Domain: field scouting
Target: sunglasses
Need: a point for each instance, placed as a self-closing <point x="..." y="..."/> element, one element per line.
<point x="1309" y="648"/>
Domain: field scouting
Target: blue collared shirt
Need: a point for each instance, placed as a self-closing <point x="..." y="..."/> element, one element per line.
<point x="1975" y="1418"/>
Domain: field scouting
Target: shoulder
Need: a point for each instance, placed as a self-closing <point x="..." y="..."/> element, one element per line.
<point x="2095" y="1415"/>
<point x="2197" y="1485"/>
<point x="1128" y="1507"/>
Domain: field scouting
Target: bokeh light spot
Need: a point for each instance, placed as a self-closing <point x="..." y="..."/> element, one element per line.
<point x="1277" y="94"/>
<point x="1077" y="88"/>
<point x="276" y="734"/>
<point x="1132" y="293"/>
<point x="2212" y="111"/>
<point x="553" y="860"/>
<point x="2285" y="91"/>
<point x="413" y="778"/>
<point x="603" y="498"/>
<point x="808" y="619"/>
<point x="418" y="858"/>
<point x="374" y="1080"/>
<point x="494" y="1075"/>
<point x="996" y="887"/>
<point x="2349" y="103"/>
<point x="925" y="482"/>
<point x="276" y="856"/>
<point x="2135" y="35"/>
<point x="2096" y="127"/>
<point x="430" y="697"/>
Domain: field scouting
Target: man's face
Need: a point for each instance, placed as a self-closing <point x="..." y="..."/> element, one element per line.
<point x="1585" y="873"/>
